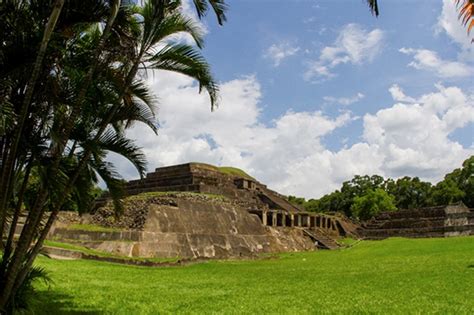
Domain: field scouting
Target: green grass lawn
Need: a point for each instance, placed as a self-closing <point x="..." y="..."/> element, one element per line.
<point x="402" y="276"/>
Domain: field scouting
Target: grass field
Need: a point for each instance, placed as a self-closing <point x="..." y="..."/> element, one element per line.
<point x="402" y="276"/>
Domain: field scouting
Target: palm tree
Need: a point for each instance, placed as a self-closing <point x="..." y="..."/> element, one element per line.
<point x="88" y="95"/>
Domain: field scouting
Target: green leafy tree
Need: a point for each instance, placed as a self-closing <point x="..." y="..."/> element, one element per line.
<point x="447" y="192"/>
<point x="466" y="181"/>
<point x="357" y="187"/>
<point x="410" y="193"/>
<point x="313" y="205"/>
<point x="299" y="201"/>
<point x="372" y="203"/>
<point x="456" y="186"/>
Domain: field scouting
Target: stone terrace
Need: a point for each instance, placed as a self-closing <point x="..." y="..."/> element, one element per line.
<point x="273" y="210"/>
<point x="441" y="221"/>
<point x="208" y="179"/>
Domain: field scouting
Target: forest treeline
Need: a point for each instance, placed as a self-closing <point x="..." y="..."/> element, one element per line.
<point x="363" y="197"/>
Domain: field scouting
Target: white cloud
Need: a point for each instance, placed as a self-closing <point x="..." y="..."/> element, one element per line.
<point x="429" y="60"/>
<point x="449" y="24"/>
<point x="288" y="154"/>
<point x="414" y="138"/>
<point x="279" y="52"/>
<point x="344" y="100"/>
<point x="398" y="94"/>
<point x="353" y="45"/>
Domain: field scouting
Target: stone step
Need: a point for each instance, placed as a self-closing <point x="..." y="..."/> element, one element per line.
<point x="412" y="223"/>
<point x="411" y="232"/>
<point x="323" y="241"/>
<point x="81" y="235"/>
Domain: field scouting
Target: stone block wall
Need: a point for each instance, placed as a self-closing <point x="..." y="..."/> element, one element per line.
<point x="441" y="221"/>
<point x="204" y="178"/>
<point x="188" y="226"/>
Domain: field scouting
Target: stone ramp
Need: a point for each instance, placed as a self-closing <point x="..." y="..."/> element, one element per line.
<point x="275" y="200"/>
<point x="69" y="254"/>
<point x="323" y="241"/>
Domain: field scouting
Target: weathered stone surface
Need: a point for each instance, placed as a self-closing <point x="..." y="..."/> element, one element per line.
<point x="440" y="221"/>
<point x="194" y="210"/>
<point x="207" y="179"/>
<point x="187" y="226"/>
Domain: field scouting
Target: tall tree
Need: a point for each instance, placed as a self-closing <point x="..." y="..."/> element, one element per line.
<point x="410" y="193"/>
<point x="372" y="203"/>
<point x="84" y="93"/>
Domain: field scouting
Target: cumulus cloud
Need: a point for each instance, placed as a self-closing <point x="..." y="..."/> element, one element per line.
<point x="449" y="24"/>
<point x="288" y="153"/>
<point x="345" y="101"/>
<point x="353" y="45"/>
<point x="279" y="52"/>
<point x="398" y="94"/>
<point x="415" y="138"/>
<point x="429" y="60"/>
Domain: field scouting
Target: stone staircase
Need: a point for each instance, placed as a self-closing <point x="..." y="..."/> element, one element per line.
<point x="322" y="240"/>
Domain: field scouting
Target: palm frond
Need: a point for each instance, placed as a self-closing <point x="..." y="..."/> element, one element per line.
<point x="82" y="194"/>
<point x="26" y="293"/>
<point x="219" y="7"/>
<point x="134" y="111"/>
<point x="115" y="184"/>
<point x="112" y="141"/>
<point x="185" y="59"/>
<point x="466" y="13"/>
<point x="7" y="117"/>
<point x="374" y="7"/>
<point x="141" y="91"/>
<point x="170" y="24"/>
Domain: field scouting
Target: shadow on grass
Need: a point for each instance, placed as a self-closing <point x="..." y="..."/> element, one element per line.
<point x="51" y="302"/>
<point x="470" y="266"/>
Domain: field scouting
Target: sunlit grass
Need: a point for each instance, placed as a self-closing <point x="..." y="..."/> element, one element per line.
<point x="402" y="276"/>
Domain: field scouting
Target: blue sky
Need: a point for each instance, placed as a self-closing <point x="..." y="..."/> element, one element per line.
<point x="314" y="92"/>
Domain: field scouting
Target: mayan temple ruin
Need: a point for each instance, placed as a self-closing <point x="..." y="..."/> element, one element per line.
<point x="197" y="210"/>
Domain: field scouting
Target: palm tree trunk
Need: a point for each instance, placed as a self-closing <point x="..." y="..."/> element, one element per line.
<point x="9" y="165"/>
<point x="86" y="155"/>
<point x="15" y="274"/>
<point x="76" y="111"/>
<point x="8" y="247"/>
<point x="14" y="266"/>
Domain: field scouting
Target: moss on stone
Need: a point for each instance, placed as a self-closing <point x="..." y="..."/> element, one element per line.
<point x="147" y="195"/>
<point x="234" y="172"/>
<point x="92" y="228"/>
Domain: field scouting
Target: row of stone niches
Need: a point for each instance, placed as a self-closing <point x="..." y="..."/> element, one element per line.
<point x="278" y="218"/>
